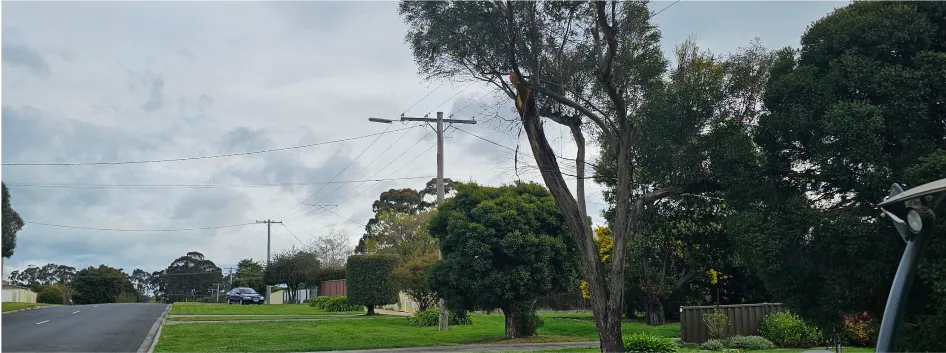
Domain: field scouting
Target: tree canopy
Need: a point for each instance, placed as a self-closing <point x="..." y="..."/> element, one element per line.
<point x="12" y="223"/>
<point x="369" y="280"/>
<point x="503" y="247"/>
<point x="103" y="284"/>
<point x="294" y="268"/>
<point x="249" y="274"/>
<point x="189" y="275"/>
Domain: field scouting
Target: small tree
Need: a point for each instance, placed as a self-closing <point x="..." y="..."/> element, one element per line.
<point x="411" y="277"/>
<point x="369" y="280"/>
<point x="50" y="295"/>
<point x="503" y="248"/>
<point x="295" y="269"/>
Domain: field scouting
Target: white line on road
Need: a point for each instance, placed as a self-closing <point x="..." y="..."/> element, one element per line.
<point x="75" y="312"/>
<point x="42" y="322"/>
<point x="95" y="306"/>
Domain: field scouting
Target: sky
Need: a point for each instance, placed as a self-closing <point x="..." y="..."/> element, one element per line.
<point x="125" y="81"/>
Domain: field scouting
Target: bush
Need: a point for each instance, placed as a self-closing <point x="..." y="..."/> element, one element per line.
<point x="642" y="342"/>
<point x="319" y="302"/>
<point x="860" y="330"/>
<point x="785" y="329"/>
<point x="369" y="280"/>
<point x="713" y="345"/>
<point x="751" y="343"/>
<point x="716" y="323"/>
<point x="50" y="295"/>
<point x="431" y="317"/>
<point x="339" y="304"/>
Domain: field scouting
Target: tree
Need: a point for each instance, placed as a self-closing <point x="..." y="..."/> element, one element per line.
<point x="103" y="284"/>
<point x="294" y="268"/>
<point x="404" y="235"/>
<point x="858" y="107"/>
<point x="141" y="279"/>
<point x="411" y="277"/>
<point x="12" y="223"/>
<point x="189" y="275"/>
<point x="332" y="248"/>
<point x="569" y="62"/>
<point x="407" y="201"/>
<point x="503" y="247"/>
<point x="37" y="277"/>
<point x="50" y="295"/>
<point x="249" y="274"/>
<point x="369" y="280"/>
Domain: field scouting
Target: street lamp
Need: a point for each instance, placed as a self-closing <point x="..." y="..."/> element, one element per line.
<point x="913" y="213"/>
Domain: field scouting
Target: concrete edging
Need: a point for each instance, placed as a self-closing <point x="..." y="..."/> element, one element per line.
<point x="155" y="333"/>
<point x="33" y="308"/>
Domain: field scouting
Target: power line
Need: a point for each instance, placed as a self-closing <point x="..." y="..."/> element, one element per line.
<point x="137" y="230"/>
<point x="293" y="234"/>
<point x="199" y="186"/>
<point x="206" y="157"/>
<point x="425" y="97"/>
<point x="662" y="10"/>
<point x="451" y="98"/>
<point x="343" y="217"/>
<point x="514" y="151"/>
<point x="339" y="173"/>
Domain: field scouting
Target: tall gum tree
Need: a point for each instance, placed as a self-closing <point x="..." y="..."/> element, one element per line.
<point x="586" y="65"/>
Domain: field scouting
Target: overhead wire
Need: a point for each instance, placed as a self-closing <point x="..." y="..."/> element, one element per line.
<point x="136" y="230"/>
<point x="206" y="157"/>
<point x="197" y="186"/>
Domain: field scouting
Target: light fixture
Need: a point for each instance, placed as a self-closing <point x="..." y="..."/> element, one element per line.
<point x="915" y="221"/>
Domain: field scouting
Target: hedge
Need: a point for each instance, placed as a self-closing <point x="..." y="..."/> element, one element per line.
<point x="368" y="280"/>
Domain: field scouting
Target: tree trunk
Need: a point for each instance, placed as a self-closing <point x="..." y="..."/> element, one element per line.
<point x="654" y="314"/>
<point x="520" y="319"/>
<point x="607" y="315"/>
<point x="370" y="309"/>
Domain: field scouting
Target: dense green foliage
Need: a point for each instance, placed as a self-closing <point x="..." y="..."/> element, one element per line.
<point x="857" y="108"/>
<point x="749" y="343"/>
<point x="786" y="329"/>
<point x="642" y="342"/>
<point x="12" y="223"/>
<point x="249" y="274"/>
<point x="502" y="248"/>
<point x="103" y="284"/>
<point x="334" y="304"/>
<point x="50" y="295"/>
<point x="713" y="345"/>
<point x="369" y="282"/>
<point x="191" y="273"/>
<point x="431" y="317"/>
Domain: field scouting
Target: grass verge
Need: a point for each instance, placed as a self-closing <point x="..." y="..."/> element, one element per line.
<point x="779" y="350"/>
<point x="367" y="333"/>
<point x="10" y="306"/>
<point x="261" y="317"/>
<point x="183" y="308"/>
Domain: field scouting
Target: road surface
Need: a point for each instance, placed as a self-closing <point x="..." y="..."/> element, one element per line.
<point x="80" y="328"/>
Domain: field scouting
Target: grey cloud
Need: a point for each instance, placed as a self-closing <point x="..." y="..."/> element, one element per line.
<point x="212" y="206"/>
<point x="24" y="56"/>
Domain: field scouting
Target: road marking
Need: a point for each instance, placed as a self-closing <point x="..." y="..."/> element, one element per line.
<point x="75" y="312"/>
<point x="95" y="306"/>
<point x="42" y="322"/>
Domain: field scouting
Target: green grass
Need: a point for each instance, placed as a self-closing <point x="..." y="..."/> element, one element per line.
<point x="262" y="317"/>
<point x="10" y="306"/>
<point x="367" y="333"/>
<point x="780" y="350"/>
<point x="182" y="308"/>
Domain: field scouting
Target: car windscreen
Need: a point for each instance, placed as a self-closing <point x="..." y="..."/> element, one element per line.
<point x="247" y="291"/>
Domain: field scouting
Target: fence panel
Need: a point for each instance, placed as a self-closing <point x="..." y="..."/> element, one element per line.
<point x="333" y="288"/>
<point x="743" y="320"/>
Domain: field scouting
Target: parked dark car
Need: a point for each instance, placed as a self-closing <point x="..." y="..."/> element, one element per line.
<point x="243" y="295"/>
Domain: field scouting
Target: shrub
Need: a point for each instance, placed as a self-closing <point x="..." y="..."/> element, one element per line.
<point x="369" y="280"/>
<point x="860" y="330"/>
<point x="716" y="323"/>
<point x="713" y="345"/>
<point x="319" y="302"/>
<point x="642" y="342"/>
<point x="431" y="317"/>
<point x="750" y="343"/>
<point x="50" y="295"/>
<point x="690" y="346"/>
<point x="785" y="329"/>
<point x="339" y="304"/>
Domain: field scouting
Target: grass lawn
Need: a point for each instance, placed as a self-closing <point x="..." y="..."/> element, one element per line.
<point x="263" y="317"/>
<point x="10" y="306"/>
<point x="184" y="308"/>
<point x="367" y="333"/>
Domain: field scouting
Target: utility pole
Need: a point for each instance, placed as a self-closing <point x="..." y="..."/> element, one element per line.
<point x="444" y="319"/>
<point x="269" y="224"/>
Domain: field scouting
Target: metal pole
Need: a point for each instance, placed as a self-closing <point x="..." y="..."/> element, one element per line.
<point x="896" y="301"/>
<point x="444" y="319"/>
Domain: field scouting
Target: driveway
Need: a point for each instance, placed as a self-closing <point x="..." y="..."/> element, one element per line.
<point x="80" y="328"/>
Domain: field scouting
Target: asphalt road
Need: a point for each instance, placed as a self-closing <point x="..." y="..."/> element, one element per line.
<point x="80" y="328"/>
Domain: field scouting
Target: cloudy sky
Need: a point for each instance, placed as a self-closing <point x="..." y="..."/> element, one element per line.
<point x="124" y="81"/>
